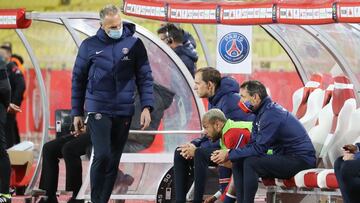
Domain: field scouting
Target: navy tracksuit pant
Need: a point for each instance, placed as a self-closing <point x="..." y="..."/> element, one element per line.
<point x="108" y="136"/>
<point x="200" y="164"/>
<point x="247" y="171"/>
<point x="348" y="177"/>
<point x="182" y="168"/>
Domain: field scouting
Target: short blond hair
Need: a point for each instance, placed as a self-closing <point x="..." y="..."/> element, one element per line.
<point x="214" y="115"/>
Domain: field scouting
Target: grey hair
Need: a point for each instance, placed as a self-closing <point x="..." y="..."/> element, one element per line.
<point x="213" y="115"/>
<point x="108" y="9"/>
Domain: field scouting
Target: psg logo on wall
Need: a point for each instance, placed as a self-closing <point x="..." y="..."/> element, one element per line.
<point x="234" y="47"/>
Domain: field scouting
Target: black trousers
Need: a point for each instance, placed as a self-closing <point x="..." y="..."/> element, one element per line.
<point x="5" y="168"/>
<point x="247" y="171"/>
<point x="348" y="177"/>
<point x="182" y="169"/>
<point x="11" y="130"/>
<point x="108" y="135"/>
<point x="70" y="148"/>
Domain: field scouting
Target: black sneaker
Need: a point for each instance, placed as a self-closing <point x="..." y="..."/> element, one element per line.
<point x="5" y="198"/>
<point x="73" y="200"/>
<point x="12" y="190"/>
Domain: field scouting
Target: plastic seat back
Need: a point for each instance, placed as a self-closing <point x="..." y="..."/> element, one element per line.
<point x="319" y="132"/>
<point x="314" y="105"/>
<point x="348" y="137"/>
<point x="343" y="90"/>
<point x="342" y="127"/>
<point x="300" y="98"/>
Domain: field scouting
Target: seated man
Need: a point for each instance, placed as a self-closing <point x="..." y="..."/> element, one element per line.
<point x="231" y="135"/>
<point x="347" y="170"/>
<point x="71" y="147"/>
<point x="222" y="93"/>
<point x="274" y="129"/>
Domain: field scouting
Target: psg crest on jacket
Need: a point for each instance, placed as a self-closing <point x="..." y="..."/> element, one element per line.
<point x="234" y="47"/>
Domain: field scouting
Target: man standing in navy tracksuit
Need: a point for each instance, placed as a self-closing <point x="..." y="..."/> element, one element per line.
<point x="107" y="67"/>
<point x="274" y="129"/>
<point x="223" y="94"/>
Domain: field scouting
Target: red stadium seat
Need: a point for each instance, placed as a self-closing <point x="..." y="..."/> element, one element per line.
<point x="20" y="176"/>
<point x="343" y="105"/>
<point x="314" y="105"/>
<point x="285" y="182"/>
<point x="343" y="90"/>
<point x="328" y="94"/>
<point x="22" y="166"/>
<point x="307" y="178"/>
<point x="268" y="181"/>
<point x="327" y="179"/>
<point x="301" y="96"/>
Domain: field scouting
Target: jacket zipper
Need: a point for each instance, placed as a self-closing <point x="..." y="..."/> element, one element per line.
<point x="114" y="73"/>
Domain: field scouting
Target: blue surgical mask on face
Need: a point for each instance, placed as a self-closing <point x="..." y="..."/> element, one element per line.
<point x="2" y="63"/>
<point x="246" y="106"/>
<point x="115" y="33"/>
<point x="2" y="59"/>
<point x="249" y="105"/>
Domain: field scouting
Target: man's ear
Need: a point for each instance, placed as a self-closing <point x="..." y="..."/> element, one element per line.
<point x="257" y="97"/>
<point x="211" y="84"/>
<point x="218" y="124"/>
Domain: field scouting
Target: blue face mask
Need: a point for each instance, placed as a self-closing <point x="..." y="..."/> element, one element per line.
<point x="2" y="63"/>
<point x="2" y="59"/>
<point x="247" y="107"/>
<point x="115" y="33"/>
